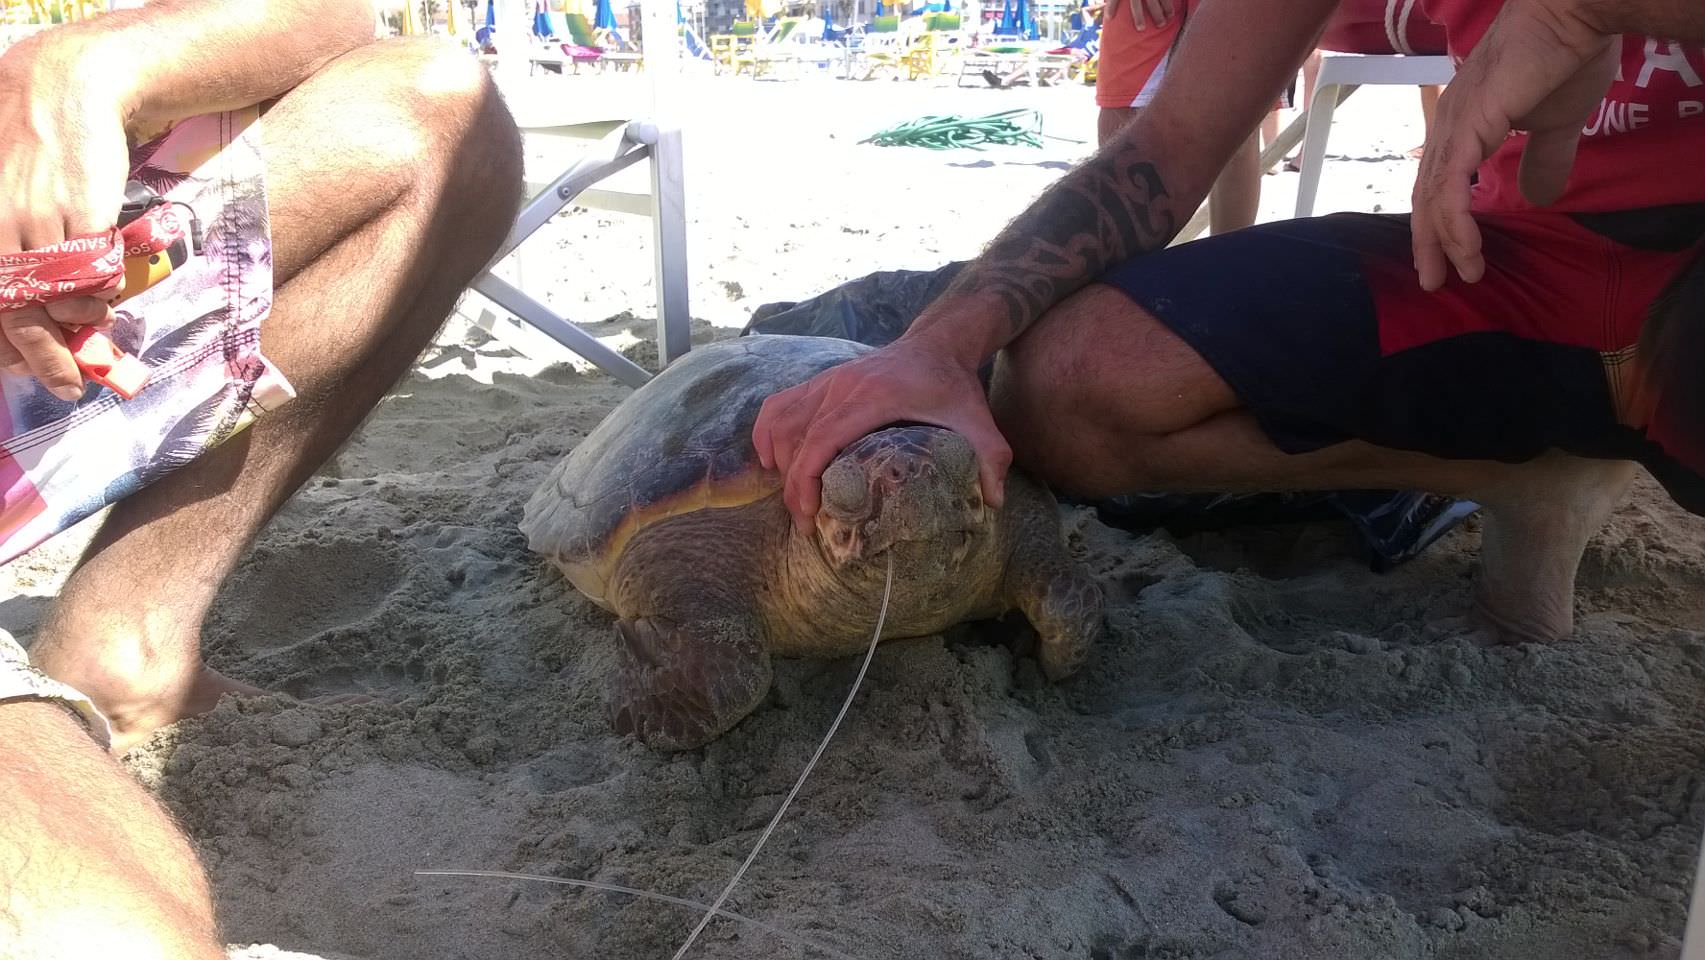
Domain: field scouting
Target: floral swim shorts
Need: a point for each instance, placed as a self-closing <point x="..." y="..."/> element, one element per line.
<point x="197" y="331"/>
<point x="20" y="681"/>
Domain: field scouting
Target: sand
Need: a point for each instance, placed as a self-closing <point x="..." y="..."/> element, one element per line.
<point x="1274" y="753"/>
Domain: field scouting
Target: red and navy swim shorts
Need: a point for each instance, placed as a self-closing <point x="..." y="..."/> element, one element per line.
<point x="1323" y="331"/>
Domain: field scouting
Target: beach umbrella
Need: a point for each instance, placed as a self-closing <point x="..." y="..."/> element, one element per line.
<point x="1018" y="18"/>
<point x="542" y="22"/>
<point x="605" y="19"/>
<point x="879" y="11"/>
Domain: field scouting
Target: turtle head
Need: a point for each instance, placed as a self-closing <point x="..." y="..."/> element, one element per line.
<point x="911" y="489"/>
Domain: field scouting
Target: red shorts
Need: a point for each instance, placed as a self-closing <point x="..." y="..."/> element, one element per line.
<point x="1323" y="331"/>
<point x="1132" y="62"/>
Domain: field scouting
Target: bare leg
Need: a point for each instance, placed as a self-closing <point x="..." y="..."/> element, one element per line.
<point x="1429" y="109"/>
<point x="92" y="866"/>
<point x="1310" y="73"/>
<point x="1236" y="199"/>
<point x="1110" y="121"/>
<point x="392" y="177"/>
<point x="1148" y="414"/>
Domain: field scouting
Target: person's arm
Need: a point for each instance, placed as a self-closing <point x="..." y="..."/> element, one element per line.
<point x="1673" y="19"/>
<point x="1131" y="198"/>
<point x="1542" y="67"/>
<point x="69" y="96"/>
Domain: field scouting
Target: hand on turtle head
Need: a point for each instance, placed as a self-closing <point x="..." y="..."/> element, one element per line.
<point x="1539" y="68"/>
<point x="800" y="430"/>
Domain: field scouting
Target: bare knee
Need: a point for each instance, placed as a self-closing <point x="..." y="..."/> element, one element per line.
<point x="455" y="101"/>
<point x="441" y="126"/>
<point x="1093" y="381"/>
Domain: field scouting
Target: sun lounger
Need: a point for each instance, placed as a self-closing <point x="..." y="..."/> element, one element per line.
<point x="1003" y="60"/>
<point x="610" y="49"/>
<point x="563" y="58"/>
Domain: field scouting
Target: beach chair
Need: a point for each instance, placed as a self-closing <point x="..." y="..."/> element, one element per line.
<point x="606" y="147"/>
<point x="611" y="52"/>
<point x="884" y="48"/>
<point x="725" y="47"/>
<point x="792" y="42"/>
<point x="563" y="58"/>
<point x="1367" y="42"/>
<point x="1001" y="59"/>
<point x="932" y="52"/>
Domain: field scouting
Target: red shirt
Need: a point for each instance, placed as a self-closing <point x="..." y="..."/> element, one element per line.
<point x="1643" y="147"/>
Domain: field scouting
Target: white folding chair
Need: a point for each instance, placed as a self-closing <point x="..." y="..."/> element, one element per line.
<point x="604" y="144"/>
<point x="1340" y="75"/>
<point x="610" y="147"/>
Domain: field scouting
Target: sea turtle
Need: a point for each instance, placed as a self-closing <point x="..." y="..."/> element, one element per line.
<point x="664" y="516"/>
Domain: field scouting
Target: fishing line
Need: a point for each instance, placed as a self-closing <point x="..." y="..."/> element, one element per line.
<point x="858" y="681"/>
<point x="644" y="894"/>
<point x="715" y="909"/>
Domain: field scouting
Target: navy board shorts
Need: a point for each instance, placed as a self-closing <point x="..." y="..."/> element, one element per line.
<point x="1322" y="329"/>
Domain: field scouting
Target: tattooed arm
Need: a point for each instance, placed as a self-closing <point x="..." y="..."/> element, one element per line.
<point x="1128" y="200"/>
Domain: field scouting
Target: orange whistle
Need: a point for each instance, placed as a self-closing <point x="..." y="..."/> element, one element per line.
<point x="100" y="360"/>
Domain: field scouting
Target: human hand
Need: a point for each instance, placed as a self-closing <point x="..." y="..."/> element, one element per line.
<point x="1539" y="68"/>
<point x="63" y="164"/>
<point x="1143" y="12"/>
<point x="801" y="429"/>
<point x="32" y="342"/>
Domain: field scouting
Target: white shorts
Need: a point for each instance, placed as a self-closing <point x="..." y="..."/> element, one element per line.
<point x="20" y="681"/>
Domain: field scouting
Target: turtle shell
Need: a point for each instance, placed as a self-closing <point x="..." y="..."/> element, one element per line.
<point x="681" y="443"/>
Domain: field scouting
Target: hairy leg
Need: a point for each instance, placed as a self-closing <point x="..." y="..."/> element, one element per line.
<point x="392" y="177"/>
<point x="90" y="866"/>
<point x="1146" y="413"/>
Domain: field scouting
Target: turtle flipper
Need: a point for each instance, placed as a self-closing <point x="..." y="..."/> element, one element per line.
<point x="1066" y="608"/>
<point x="680" y="685"/>
<point x="1064" y="605"/>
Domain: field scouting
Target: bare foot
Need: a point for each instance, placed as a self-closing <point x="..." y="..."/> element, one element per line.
<point x="134" y="721"/>
<point x="1537" y="527"/>
<point x="137" y="688"/>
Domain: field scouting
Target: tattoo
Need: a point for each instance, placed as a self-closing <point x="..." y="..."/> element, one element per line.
<point x="1112" y="208"/>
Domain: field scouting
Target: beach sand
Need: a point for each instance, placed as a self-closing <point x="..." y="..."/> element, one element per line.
<point x="1275" y="753"/>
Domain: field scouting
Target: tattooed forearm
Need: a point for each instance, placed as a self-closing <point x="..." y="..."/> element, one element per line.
<point x="1112" y="208"/>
